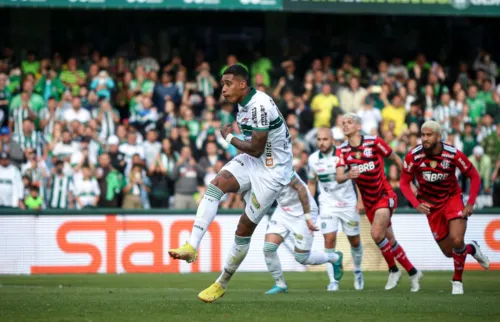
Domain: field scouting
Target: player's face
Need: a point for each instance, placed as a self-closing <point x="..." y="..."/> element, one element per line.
<point x="430" y="139"/>
<point x="349" y="126"/>
<point x="324" y="141"/>
<point x="232" y="88"/>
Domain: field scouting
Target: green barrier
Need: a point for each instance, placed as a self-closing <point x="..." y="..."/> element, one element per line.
<point x="403" y="7"/>
<point x="107" y="211"/>
<point x="150" y="4"/>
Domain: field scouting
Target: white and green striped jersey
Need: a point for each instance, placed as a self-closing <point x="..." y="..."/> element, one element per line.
<point x="18" y="116"/>
<point x="331" y="193"/>
<point x="258" y="112"/>
<point x="33" y="140"/>
<point x="45" y="115"/>
<point x="288" y="200"/>
<point x="11" y="186"/>
<point x="60" y="188"/>
<point x="108" y="126"/>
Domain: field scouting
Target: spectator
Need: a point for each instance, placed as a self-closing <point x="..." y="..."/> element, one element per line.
<point x="161" y="171"/>
<point x="444" y="112"/>
<point x="11" y="184"/>
<point x="414" y="115"/>
<point x="34" y="201"/>
<point x="102" y="84"/>
<point x="166" y="91"/>
<point x="12" y="147"/>
<point x="206" y="83"/>
<point x="5" y="96"/>
<point x="487" y="127"/>
<point x="60" y="188"/>
<point x="394" y="113"/>
<point x="107" y="117"/>
<point x="151" y="147"/>
<point x="351" y="98"/>
<point x="86" y="190"/>
<point x="135" y="190"/>
<point x="110" y="183"/>
<point x="495" y="178"/>
<point x="322" y="106"/>
<point x="73" y="77"/>
<point x="468" y="139"/>
<point x="140" y="84"/>
<point x="484" y="62"/>
<point x="476" y="105"/>
<point x="482" y="163"/>
<point x="187" y="175"/>
<point x="76" y="112"/>
<point x="28" y="137"/>
<point x="491" y="143"/>
<point x="49" y="85"/>
<point x="130" y="148"/>
<point x="147" y="62"/>
<point x="370" y="117"/>
<point x="118" y="159"/>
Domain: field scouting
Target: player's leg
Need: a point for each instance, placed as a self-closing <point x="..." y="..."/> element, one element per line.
<point x="275" y="234"/>
<point x="381" y="220"/>
<point x="329" y="226"/>
<point x="231" y="178"/>
<point x="351" y="227"/>
<point x="400" y="255"/>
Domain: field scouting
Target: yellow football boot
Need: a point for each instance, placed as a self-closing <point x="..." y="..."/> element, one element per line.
<point x="185" y="252"/>
<point x="212" y="293"/>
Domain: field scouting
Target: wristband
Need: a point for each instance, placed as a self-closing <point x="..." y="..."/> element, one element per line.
<point x="229" y="137"/>
<point x="308" y="216"/>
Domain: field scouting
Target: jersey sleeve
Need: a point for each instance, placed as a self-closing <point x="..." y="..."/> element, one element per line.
<point x="341" y="162"/>
<point x="261" y="117"/>
<point x="382" y="147"/>
<point x="408" y="163"/>
<point x="462" y="162"/>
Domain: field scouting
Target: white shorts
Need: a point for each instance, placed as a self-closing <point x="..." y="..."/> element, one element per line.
<point x="282" y="223"/>
<point x="258" y="188"/>
<point x="330" y="219"/>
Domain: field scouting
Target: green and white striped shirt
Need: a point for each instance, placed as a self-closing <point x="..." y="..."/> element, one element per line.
<point x="59" y="192"/>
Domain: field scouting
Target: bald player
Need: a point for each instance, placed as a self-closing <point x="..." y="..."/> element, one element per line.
<point x="337" y="204"/>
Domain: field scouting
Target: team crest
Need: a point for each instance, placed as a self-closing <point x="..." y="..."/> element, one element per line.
<point x="255" y="203"/>
<point x="445" y="164"/>
<point x="433" y="164"/>
<point x="358" y="155"/>
<point x="299" y="237"/>
<point x="367" y="152"/>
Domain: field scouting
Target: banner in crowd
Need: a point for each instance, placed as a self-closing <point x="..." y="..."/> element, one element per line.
<point x="112" y="244"/>
<point x="405" y="7"/>
<point x="151" y="4"/>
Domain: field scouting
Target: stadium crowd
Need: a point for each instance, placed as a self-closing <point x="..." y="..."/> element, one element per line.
<point x="98" y="131"/>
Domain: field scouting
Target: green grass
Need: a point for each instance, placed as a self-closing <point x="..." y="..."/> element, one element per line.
<point x="174" y="298"/>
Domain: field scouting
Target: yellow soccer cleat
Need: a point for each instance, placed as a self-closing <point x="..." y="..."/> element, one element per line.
<point x="212" y="293"/>
<point x="185" y="252"/>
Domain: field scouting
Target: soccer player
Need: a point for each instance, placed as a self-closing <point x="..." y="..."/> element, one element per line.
<point x="439" y="196"/>
<point x="296" y="213"/>
<point x="259" y="173"/>
<point x="363" y="156"/>
<point x="337" y="203"/>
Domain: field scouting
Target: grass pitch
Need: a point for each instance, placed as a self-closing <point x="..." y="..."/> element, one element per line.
<point x="174" y="298"/>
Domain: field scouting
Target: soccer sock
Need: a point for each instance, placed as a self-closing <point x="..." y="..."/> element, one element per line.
<point x="386" y="250"/>
<point x="207" y="210"/>
<point x="236" y="256"/>
<point x="459" y="256"/>
<point x="357" y="257"/>
<point x="400" y="256"/>
<point x="316" y="258"/>
<point x="273" y="263"/>
<point x="329" y="268"/>
<point x="471" y="250"/>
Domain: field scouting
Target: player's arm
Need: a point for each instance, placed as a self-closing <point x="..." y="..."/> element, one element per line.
<point x="301" y="189"/>
<point x="341" y="175"/>
<point x="254" y="147"/>
<point x="360" y="207"/>
<point x="466" y="167"/>
<point x="312" y="179"/>
<point x="397" y="160"/>
<point x="408" y="189"/>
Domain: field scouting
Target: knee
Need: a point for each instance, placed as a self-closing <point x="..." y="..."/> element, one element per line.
<point x="447" y="253"/>
<point x="355" y="241"/>
<point x="270" y="247"/>
<point x="301" y="258"/>
<point x="457" y="242"/>
<point x="378" y="235"/>
<point x="243" y="230"/>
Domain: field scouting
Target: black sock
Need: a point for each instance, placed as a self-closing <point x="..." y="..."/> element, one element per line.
<point x="412" y="271"/>
<point x="393" y="269"/>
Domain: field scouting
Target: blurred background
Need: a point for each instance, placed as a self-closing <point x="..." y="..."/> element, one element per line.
<point x="111" y="103"/>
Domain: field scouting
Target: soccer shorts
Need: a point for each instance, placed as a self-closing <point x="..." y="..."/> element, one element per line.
<point x="282" y="223"/>
<point x="438" y="220"/>
<point x="390" y="202"/>
<point x="257" y="186"/>
<point x="331" y="218"/>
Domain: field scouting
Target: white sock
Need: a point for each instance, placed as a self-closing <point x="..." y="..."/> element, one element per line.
<point x="273" y="263"/>
<point x="329" y="268"/>
<point x="317" y="258"/>
<point x="357" y="257"/>
<point x="238" y="253"/>
<point x="207" y="210"/>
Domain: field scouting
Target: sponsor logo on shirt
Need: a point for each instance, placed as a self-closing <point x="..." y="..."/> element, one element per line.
<point x="263" y="116"/>
<point x="429" y="176"/>
<point x="447" y="155"/>
<point x="433" y="164"/>
<point x="462" y="162"/>
<point x="418" y="156"/>
<point x="382" y="148"/>
<point x="255" y="203"/>
<point x="269" y="154"/>
<point x="445" y="164"/>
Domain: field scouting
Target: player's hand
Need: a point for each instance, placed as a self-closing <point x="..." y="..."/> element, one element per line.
<point x="311" y="226"/>
<point x="225" y="130"/>
<point x="467" y="212"/>
<point x="354" y="173"/>
<point x="424" y="208"/>
<point x="360" y="208"/>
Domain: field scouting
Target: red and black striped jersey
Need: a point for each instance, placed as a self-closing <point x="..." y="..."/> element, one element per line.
<point x="435" y="174"/>
<point x="368" y="157"/>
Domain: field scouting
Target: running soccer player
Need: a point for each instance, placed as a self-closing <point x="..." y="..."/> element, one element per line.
<point x="296" y="213"/>
<point x="259" y="173"/>
<point x="439" y="196"/>
<point x="363" y="156"/>
<point x="337" y="202"/>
